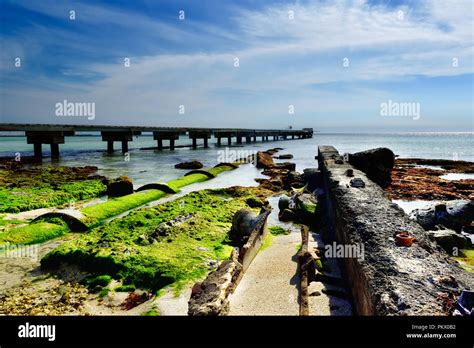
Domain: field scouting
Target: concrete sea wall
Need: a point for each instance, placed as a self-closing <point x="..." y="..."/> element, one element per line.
<point x="390" y="279"/>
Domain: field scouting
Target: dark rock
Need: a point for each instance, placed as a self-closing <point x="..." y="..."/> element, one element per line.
<point x="264" y="160"/>
<point x="286" y="215"/>
<point x="189" y="165"/>
<point x="293" y="180"/>
<point x="253" y="202"/>
<point x="285" y="156"/>
<point x="305" y="207"/>
<point x="285" y="165"/>
<point x="283" y="202"/>
<point x="119" y="187"/>
<point x="448" y="239"/>
<point x="313" y="177"/>
<point x="376" y="163"/>
<point x="452" y="214"/>
<point x="243" y="223"/>
<point x="357" y="182"/>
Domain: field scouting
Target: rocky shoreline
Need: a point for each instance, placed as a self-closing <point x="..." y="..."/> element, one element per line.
<point x="165" y="248"/>
<point x="420" y="179"/>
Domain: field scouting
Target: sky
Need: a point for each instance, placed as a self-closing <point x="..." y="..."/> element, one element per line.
<point x="330" y="65"/>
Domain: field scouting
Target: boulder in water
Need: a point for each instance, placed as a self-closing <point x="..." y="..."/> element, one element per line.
<point x="376" y="163"/>
<point x="189" y="165"/>
<point x="452" y="214"/>
<point x="449" y="239"/>
<point x="120" y="186"/>
<point x="264" y="160"/>
<point x="285" y="156"/>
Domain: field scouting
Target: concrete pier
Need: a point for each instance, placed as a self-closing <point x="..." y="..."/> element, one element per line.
<point x="202" y="134"/>
<point x="53" y="135"/>
<point x="123" y="136"/>
<point x="166" y="135"/>
<point x="38" y="138"/>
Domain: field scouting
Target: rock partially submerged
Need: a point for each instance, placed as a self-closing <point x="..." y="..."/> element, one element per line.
<point x="449" y="240"/>
<point x="285" y="156"/>
<point x="264" y="160"/>
<point x="119" y="187"/>
<point x="376" y="163"/>
<point x="452" y="214"/>
<point x="301" y="208"/>
<point x="189" y="165"/>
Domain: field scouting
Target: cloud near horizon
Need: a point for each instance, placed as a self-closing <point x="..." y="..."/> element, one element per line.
<point x="335" y="62"/>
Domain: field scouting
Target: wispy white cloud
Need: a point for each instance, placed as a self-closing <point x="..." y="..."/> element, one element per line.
<point x="279" y="58"/>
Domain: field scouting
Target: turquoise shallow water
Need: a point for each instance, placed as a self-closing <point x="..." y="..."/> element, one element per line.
<point x="146" y="166"/>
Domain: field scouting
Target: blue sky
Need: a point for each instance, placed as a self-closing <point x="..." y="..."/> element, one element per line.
<point x="290" y="53"/>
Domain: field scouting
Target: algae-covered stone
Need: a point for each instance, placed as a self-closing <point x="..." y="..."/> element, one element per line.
<point x="120" y="186"/>
<point x="254" y="202"/>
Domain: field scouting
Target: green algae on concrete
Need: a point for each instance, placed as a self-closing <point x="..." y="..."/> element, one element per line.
<point x="34" y="233"/>
<point x="27" y="189"/>
<point x="169" y="244"/>
<point x="95" y="214"/>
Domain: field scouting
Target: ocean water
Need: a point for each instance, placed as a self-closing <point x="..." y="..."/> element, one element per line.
<point x="145" y="166"/>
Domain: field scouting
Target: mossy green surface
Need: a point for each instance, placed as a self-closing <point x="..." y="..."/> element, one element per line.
<point x="101" y="280"/>
<point x="115" y="206"/>
<point x="139" y="249"/>
<point x="153" y="312"/>
<point x="28" y="189"/>
<point x="267" y="242"/>
<point x="466" y="259"/>
<point x="34" y="233"/>
<point x="7" y="222"/>
<point x="95" y="214"/>
<point x="125" y="288"/>
<point x="104" y="292"/>
<point x="278" y="230"/>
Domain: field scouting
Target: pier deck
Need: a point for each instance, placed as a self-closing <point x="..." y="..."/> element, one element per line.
<point x="54" y="134"/>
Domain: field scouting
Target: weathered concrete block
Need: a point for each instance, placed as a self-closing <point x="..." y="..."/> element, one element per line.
<point x="390" y="279"/>
<point x="211" y="296"/>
